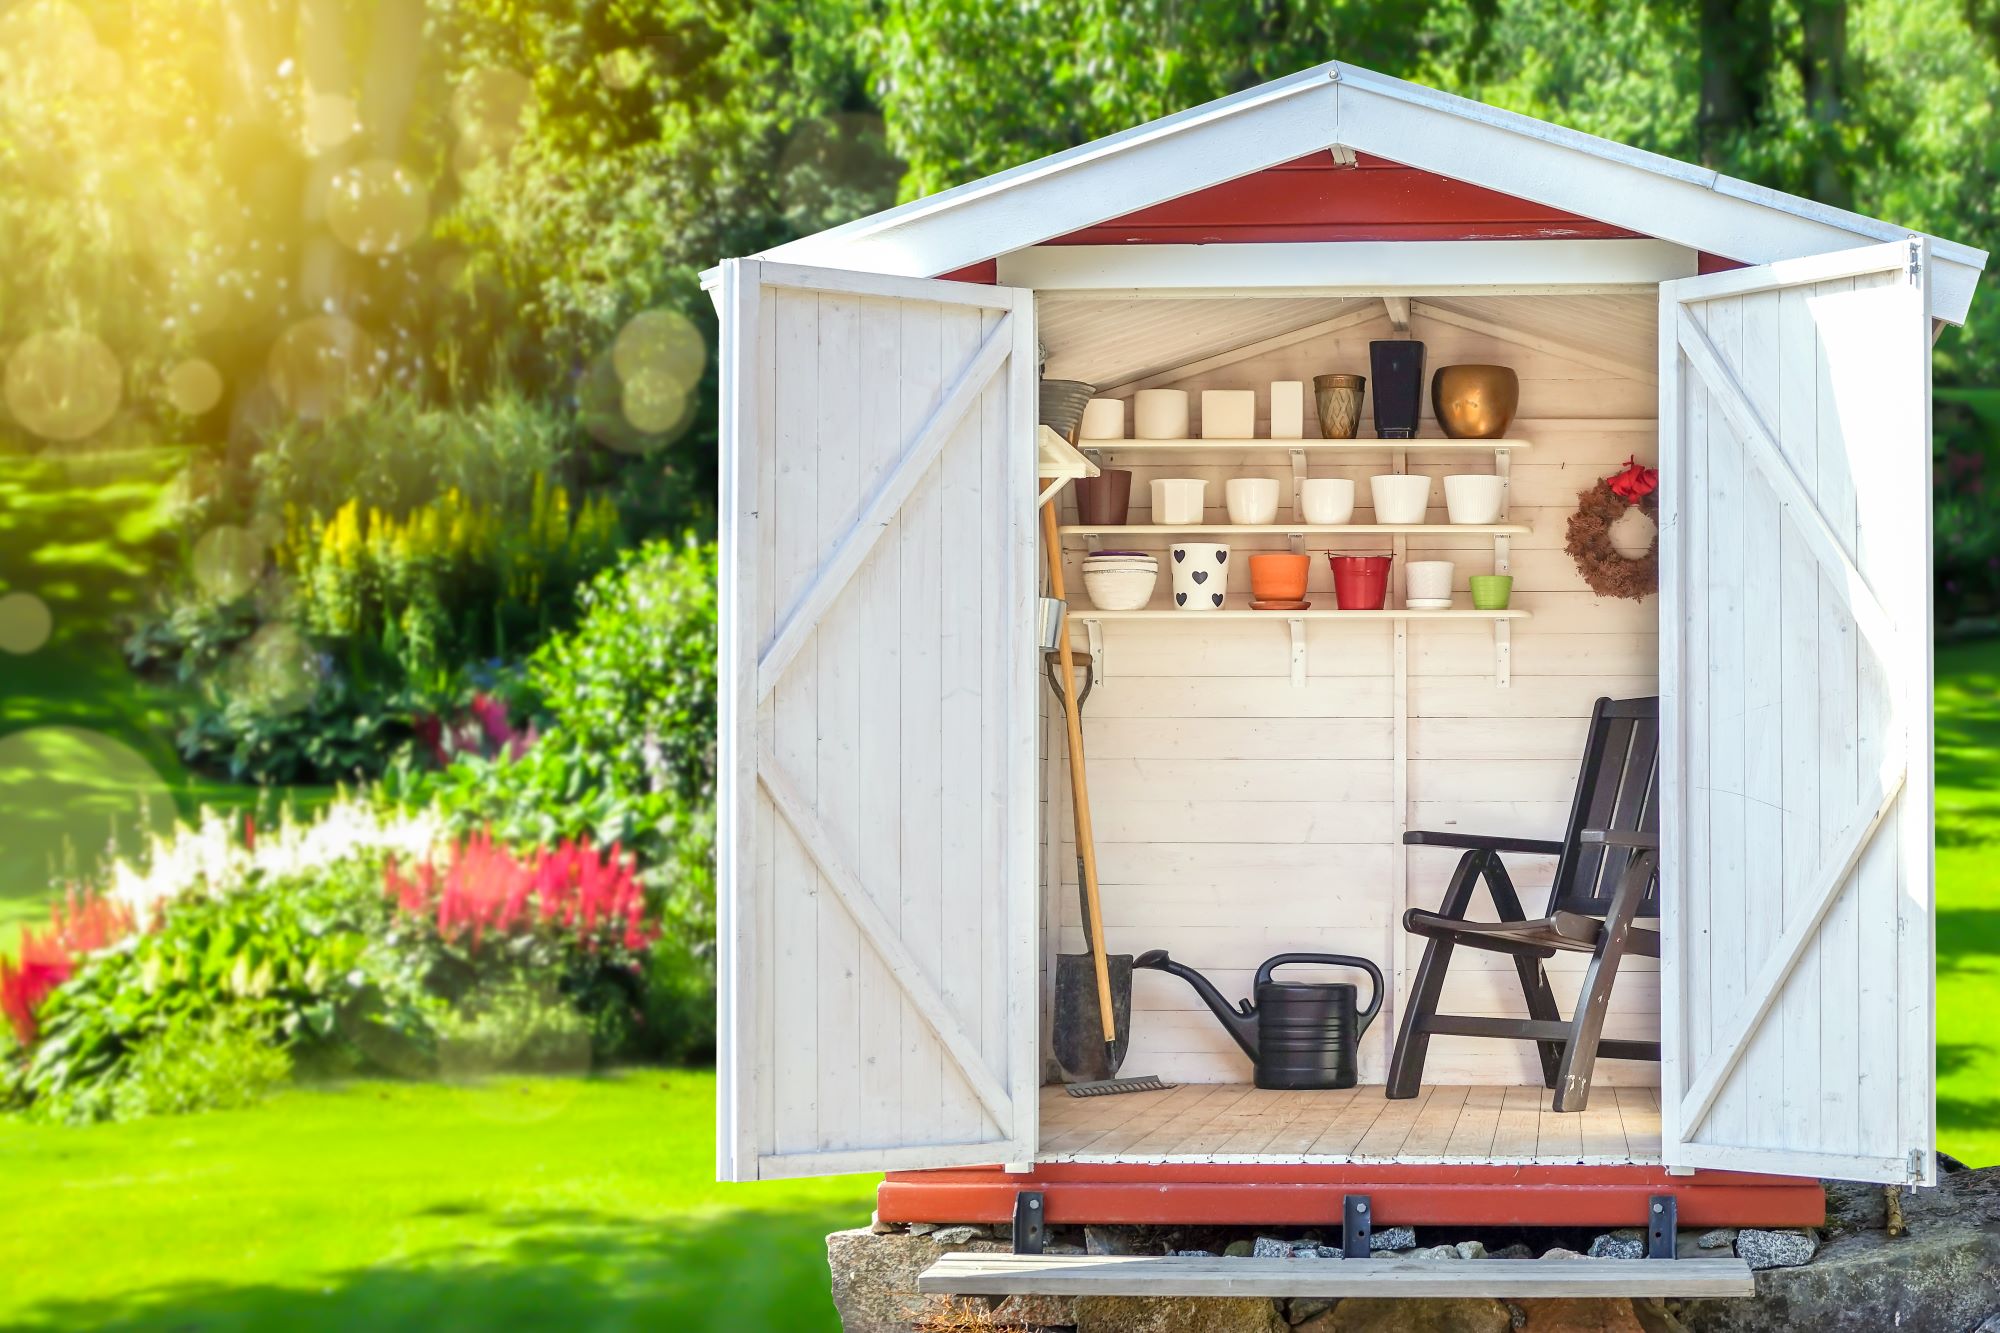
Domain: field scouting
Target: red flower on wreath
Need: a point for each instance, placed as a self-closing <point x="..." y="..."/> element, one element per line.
<point x="1635" y="482"/>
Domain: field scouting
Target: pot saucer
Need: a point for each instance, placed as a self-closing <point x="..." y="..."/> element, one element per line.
<point x="1256" y="605"/>
<point x="1428" y="604"/>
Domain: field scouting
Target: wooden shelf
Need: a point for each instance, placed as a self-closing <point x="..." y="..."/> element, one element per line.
<point x="1289" y="529"/>
<point x="1368" y="446"/>
<point x="1315" y="613"/>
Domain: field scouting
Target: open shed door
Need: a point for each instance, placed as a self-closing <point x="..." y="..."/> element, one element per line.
<point x="1797" y="974"/>
<point x="875" y="843"/>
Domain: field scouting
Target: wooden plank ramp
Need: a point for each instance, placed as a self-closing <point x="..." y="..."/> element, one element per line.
<point x="1140" y="1275"/>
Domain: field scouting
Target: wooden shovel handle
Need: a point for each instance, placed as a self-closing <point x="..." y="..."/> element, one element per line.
<point x="1086" y="841"/>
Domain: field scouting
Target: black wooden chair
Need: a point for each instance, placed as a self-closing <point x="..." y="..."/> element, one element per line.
<point x="1607" y="875"/>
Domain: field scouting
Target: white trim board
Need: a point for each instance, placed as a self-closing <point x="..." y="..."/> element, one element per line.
<point x="1350" y="268"/>
<point x="1358" y="109"/>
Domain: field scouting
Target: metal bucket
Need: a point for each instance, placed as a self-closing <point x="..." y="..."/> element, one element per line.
<point x="1049" y="612"/>
<point x="1062" y="404"/>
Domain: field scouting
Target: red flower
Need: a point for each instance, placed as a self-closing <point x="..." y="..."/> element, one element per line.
<point x="486" y="887"/>
<point x="77" y="926"/>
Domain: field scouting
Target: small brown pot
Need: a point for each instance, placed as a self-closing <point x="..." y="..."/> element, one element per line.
<point x="1475" y="402"/>
<point x="1104" y="500"/>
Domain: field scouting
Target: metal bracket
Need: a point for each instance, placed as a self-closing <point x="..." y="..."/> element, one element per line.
<point x="1298" y="484"/>
<point x="1093" y="633"/>
<point x="1298" y="628"/>
<point x="1091" y="541"/>
<point x="1663" y="1220"/>
<point x="1503" y="654"/>
<point x="1031" y="1227"/>
<point x="1356" y="1225"/>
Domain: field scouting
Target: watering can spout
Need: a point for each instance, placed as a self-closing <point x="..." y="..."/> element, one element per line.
<point x="1240" y="1021"/>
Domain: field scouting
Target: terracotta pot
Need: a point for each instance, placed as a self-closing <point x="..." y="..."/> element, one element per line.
<point x="1360" y="582"/>
<point x="1278" y="576"/>
<point x="1105" y="499"/>
<point x="1475" y="402"/>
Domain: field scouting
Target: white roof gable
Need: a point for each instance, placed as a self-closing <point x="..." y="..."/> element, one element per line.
<point x="1339" y="104"/>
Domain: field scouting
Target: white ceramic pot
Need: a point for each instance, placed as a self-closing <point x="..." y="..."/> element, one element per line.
<point x="1103" y="419"/>
<point x="1427" y="580"/>
<point x="1251" y="499"/>
<point x="1160" y="414"/>
<point x="1201" y="575"/>
<point x="1326" y="500"/>
<point x="1228" y="414"/>
<point x="1400" y="498"/>
<point x="1288" y="409"/>
<point x="1474" y="497"/>
<point x="1177" y="501"/>
<point x="1120" y="589"/>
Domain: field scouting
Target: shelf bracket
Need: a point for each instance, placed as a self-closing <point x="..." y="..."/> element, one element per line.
<point x="1298" y="484"/>
<point x="1298" y="628"/>
<point x="1092" y="541"/>
<point x="1093" y="633"/>
<point x="1503" y="652"/>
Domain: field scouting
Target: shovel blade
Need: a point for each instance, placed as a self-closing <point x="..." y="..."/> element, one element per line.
<point x="1080" y="1048"/>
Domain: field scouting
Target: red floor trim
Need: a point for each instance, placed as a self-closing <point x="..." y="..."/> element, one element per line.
<point x="1277" y="1195"/>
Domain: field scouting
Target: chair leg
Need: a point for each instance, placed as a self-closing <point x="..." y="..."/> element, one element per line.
<point x="1413" y="1038"/>
<point x="1587" y="1027"/>
<point x="1534" y="976"/>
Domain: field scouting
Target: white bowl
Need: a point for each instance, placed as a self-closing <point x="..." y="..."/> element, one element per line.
<point x="1474" y="497"/>
<point x="1120" y="589"/>
<point x="1326" y="500"/>
<point x="1427" y="581"/>
<point x="1160" y="414"/>
<point x="1178" y="501"/>
<point x="1400" y="498"/>
<point x="1252" y="499"/>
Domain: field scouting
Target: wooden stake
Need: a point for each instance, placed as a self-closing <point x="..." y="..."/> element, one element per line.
<point x="1086" y="841"/>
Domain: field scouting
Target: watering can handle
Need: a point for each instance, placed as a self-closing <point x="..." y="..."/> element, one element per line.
<point x="1330" y="960"/>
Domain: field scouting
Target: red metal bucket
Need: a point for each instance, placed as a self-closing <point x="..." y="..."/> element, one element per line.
<point x="1360" y="582"/>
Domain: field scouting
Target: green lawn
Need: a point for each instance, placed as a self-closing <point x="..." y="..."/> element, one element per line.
<point x="1968" y="900"/>
<point x="524" y="1202"/>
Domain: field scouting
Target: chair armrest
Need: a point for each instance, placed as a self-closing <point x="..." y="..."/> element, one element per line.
<point x="1647" y="842"/>
<point x="1474" y="842"/>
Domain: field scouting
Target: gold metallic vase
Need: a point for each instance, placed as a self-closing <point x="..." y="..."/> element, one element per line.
<point x="1338" y="398"/>
<point x="1475" y="402"/>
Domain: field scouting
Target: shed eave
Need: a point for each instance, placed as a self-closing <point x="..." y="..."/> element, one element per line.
<point x="1340" y="104"/>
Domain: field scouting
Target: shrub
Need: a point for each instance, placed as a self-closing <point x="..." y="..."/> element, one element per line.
<point x="514" y="1024"/>
<point x="227" y="1063"/>
<point x="77" y="927"/>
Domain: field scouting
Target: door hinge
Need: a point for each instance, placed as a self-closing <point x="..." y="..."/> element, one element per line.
<point x="1916" y="262"/>
<point x="1916" y="1165"/>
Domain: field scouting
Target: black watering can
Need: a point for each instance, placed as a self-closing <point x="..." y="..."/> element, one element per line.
<point x="1298" y="1034"/>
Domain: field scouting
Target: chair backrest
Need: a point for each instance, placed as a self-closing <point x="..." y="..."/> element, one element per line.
<point x="1617" y="788"/>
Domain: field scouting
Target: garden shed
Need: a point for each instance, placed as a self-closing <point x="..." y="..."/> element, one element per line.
<point x="897" y="845"/>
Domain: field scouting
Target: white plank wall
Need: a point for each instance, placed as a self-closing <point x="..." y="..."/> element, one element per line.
<point x="1239" y="817"/>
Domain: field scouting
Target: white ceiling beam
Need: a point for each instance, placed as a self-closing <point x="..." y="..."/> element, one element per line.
<point x="1399" y="312"/>
<point x="1366" y="314"/>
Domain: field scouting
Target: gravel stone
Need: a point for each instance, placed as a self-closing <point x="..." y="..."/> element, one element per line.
<point x="1775" y="1249"/>
<point x="1721" y="1238"/>
<point x="1270" y="1247"/>
<point x="953" y="1235"/>
<point x="1470" y="1249"/>
<point x="1239" y="1249"/>
<point x="1560" y="1253"/>
<point x="1393" y="1238"/>
<point x="1615" y="1246"/>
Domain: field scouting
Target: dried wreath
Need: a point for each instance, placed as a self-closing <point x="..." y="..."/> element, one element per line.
<point x="1609" y="573"/>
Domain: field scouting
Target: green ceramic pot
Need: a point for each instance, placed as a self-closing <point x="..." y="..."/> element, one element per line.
<point x="1490" y="592"/>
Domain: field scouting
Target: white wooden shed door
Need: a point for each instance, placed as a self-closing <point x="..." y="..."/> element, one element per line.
<point x="875" y="839"/>
<point x="1797" y="991"/>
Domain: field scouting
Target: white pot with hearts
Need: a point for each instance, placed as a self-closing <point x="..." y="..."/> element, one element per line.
<point x="1201" y="575"/>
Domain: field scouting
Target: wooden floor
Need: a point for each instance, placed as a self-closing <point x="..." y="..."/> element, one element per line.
<point x="1232" y="1122"/>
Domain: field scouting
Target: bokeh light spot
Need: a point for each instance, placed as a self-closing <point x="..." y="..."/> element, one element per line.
<point x="63" y="384"/>
<point x="228" y="561"/>
<point x="623" y="68"/>
<point x="662" y="343"/>
<point x="88" y="793"/>
<point x="25" y="623"/>
<point x="276" y="671"/>
<point x="652" y="402"/>
<point x="376" y="207"/>
<point x="492" y="108"/>
<point x="331" y="119"/>
<point x="194" y="386"/>
<point x="324" y="367"/>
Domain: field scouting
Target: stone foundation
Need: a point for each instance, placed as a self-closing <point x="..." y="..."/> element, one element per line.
<point x="1942" y="1277"/>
